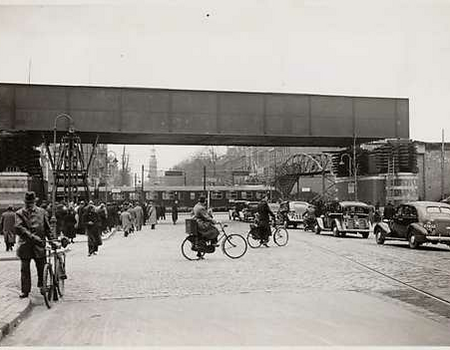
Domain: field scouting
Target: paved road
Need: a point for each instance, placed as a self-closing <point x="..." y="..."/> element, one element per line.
<point x="315" y="291"/>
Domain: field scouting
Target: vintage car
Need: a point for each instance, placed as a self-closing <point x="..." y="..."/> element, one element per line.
<point x="344" y="217"/>
<point x="293" y="212"/>
<point x="418" y="223"/>
<point x="236" y="211"/>
<point x="251" y="208"/>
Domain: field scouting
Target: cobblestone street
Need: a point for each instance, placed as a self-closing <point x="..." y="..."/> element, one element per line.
<point x="147" y="269"/>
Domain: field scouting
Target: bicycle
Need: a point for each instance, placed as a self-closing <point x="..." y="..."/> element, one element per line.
<point x="194" y="247"/>
<point x="54" y="272"/>
<point x="278" y="232"/>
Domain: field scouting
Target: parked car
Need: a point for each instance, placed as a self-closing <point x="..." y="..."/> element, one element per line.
<point x="418" y="223"/>
<point x="344" y="217"/>
<point x="236" y="212"/>
<point x="293" y="213"/>
<point x="251" y="208"/>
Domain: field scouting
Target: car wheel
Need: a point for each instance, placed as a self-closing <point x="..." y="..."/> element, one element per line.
<point x="412" y="239"/>
<point x="335" y="231"/>
<point x="379" y="236"/>
<point x="365" y="235"/>
<point x="317" y="229"/>
<point x="295" y="225"/>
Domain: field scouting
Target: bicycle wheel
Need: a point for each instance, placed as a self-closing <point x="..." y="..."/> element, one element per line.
<point x="47" y="289"/>
<point x="253" y="242"/>
<point x="281" y="236"/>
<point x="234" y="246"/>
<point x="59" y="271"/>
<point x="188" y="251"/>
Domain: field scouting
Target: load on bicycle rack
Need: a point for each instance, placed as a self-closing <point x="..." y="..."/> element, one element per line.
<point x="194" y="246"/>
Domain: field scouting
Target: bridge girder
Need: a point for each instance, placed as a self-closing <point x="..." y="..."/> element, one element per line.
<point x="304" y="164"/>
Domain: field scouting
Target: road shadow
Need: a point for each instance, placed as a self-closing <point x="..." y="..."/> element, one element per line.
<point x="431" y="248"/>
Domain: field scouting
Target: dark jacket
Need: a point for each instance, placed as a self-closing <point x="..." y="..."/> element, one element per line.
<point x="174" y="212"/>
<point x="265" y="212"/>
<point x="7" y="226"/>
<point x="33" y="228"/>
<point x="389" y="211"/>
<point x="69" y="224"/>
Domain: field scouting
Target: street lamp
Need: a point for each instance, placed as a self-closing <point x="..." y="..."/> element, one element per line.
<point x="351" y="164"/>
<point x="55" y="163"/>
<point x="108" y="170"/>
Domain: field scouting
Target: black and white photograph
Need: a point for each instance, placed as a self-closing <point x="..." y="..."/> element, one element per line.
<point x="224" y="174"/>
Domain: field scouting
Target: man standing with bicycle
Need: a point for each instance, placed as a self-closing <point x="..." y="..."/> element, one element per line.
<point x="264" y="214"/>
<point x="32" y="227"/>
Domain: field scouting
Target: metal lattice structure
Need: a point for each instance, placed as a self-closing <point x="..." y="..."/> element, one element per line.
<point x="70" y="169"/>
<point x="303" y="164"/>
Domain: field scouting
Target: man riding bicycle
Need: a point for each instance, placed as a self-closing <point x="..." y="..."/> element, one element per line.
<point x="264" y="214"/>
<point x="205" y="222"/>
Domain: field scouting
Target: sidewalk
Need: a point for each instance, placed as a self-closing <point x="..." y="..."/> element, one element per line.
<point x="12" y="308"/>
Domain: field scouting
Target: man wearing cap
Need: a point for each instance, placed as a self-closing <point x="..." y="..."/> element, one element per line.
<point x="7" y="223"/>
<point x="205" y="222"/>
<point x="33" y="228"/>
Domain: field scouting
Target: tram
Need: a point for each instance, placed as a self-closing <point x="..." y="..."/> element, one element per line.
<point x="219" y="197"/>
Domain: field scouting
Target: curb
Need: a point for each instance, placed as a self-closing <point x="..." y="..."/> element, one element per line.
<point x="20" y="309"/>
<point x="14" y="318"/>
<point x="9" y="258"/>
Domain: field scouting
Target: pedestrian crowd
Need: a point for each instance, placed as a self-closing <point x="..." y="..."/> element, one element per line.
<point x="30" y="226"/>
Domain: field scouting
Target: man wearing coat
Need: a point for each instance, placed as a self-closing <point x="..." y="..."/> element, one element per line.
<point x="126" y="220"/>
<point x="7" y="223"/>
<point x="33" y="228"/>
<point x="152" y="218"/>
<point x="175" y="212"/>
<point x="92" y="222"/>
<point x="205" y="221"/>
<point x="264" y="213"/>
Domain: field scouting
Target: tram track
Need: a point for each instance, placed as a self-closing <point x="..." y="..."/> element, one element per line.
<point x="385" y="275"/>
<point x="415" y="263"/>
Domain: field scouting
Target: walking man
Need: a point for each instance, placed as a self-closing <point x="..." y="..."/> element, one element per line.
<point x="389" y="211"/>
<point x="152" y="219"/>
<point x="126" y="220"/>
<point x="175" y="212"/>
<point x="7" y="223"/>
<point x="32" y="227"/>
<point x="92" y="221"/>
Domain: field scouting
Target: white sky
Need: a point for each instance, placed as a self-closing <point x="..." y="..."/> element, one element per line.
<point x="393" y="48"/>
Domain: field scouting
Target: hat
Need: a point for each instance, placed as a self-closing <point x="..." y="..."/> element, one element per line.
<point x="202" y="199"/>
<point x="30" y="197"/>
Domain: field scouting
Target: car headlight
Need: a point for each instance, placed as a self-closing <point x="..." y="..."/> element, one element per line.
<point x="429" y="226"/>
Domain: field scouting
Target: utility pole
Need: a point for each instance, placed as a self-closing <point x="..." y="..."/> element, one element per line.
<point x="204" y="177"/>
<point x="142" y="183"/>
<point x="355" y="167"/>
<point x="442" y="165"/>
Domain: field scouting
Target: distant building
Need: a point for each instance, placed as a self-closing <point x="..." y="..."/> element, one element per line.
<point x="153" y="168"/>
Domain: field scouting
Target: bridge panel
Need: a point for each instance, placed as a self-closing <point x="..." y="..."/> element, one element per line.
<point x="144" y="110"/>
<point x="135" y="115"/>
<point x="194" y="112"/>
<point x="241" y="114"/>
<point x="288" y="115"/>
